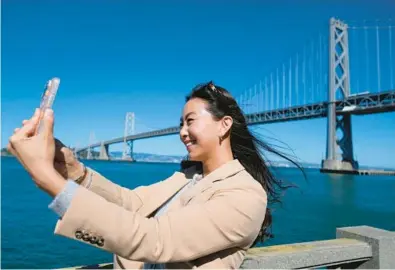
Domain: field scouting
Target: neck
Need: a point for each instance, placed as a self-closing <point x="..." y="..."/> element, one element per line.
<point x="222" y="156"/>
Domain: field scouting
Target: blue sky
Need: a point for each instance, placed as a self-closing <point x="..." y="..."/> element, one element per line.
<point x="115" y="57"/>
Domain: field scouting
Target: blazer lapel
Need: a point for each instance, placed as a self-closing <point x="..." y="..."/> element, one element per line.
<point x="226" y="170"/>
<point x="174" y="184"/>
<point x="179" y="180"/>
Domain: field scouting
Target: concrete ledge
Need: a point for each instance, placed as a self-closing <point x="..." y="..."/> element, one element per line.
<point x="355" y="247"/>
<point x="381" y="241"/>
<point x="308" y="254"/>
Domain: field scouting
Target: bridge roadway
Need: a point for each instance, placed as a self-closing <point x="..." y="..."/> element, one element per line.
<point x="369" y="103"/>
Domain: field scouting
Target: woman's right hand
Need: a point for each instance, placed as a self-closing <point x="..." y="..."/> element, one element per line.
<point x="65" y="162"/>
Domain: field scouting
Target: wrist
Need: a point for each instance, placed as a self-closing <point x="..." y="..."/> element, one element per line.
<point x="51" y="182"/>
<point x="82" y="175"/>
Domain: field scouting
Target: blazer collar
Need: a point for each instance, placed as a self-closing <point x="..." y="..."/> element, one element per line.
<point x="179" y="180"/>
<point x="224" y="171"/>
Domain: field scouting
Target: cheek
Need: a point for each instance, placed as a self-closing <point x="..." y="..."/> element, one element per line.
<point x="204" y="134"/>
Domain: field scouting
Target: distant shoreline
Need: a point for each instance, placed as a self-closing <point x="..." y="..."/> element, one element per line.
<point x="275" y="165"/>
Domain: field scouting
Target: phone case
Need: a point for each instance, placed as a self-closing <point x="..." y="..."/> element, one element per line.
<point x="48" y="97"/>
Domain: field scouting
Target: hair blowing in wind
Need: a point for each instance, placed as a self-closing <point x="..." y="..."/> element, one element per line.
<point x="246" y="147"/>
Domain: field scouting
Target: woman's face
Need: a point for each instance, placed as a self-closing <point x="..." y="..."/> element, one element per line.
<point x="199" y="131"/>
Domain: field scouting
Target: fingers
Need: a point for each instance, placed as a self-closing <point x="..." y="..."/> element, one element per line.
<point x="29" y="126"/>
<point x="63" y="153"/>
<point x="60" y="150"/>
<point x="23" y="131"/>
<point x="10" y="148"/>
<point x="24" y="122"/>
<point x="48" y="122"/>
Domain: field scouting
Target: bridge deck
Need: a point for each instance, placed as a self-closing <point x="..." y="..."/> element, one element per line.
<point x="358" y="105"/>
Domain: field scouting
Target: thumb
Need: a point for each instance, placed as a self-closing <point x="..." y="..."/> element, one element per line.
<point x="48" y="123"/>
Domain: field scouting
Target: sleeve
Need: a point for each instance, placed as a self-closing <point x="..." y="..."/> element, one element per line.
<point x="130" y="199"/>
<point x="62" y="201"/>
<point x="231" y="218"/>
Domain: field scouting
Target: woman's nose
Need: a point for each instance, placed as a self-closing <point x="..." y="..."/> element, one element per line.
<point x="183" y="132"/>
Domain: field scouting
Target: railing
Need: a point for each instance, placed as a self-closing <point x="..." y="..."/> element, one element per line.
<point x="331" y="253"/>
<point x="354" y="247"/>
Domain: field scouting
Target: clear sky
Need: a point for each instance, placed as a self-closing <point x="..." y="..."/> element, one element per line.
<point x="120" y="56"/>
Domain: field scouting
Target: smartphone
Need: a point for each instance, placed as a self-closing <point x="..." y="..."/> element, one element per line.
<point x="47" y="99"/>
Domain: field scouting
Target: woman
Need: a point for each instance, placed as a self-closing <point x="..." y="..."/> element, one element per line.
<point x="206" y="216"/>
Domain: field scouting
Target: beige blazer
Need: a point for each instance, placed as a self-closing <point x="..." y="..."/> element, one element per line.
<point x="210" y="225"/>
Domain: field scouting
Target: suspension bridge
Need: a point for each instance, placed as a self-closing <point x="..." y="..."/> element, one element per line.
<point x="349" y="71"/>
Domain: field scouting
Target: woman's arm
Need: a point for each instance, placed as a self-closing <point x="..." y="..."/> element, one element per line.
<point x="232" y="217"/>
<point x="70" y="167"/>
<point x="130" y="199"/>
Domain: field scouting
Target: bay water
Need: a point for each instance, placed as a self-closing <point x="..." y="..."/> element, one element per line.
<point x="311" y="211"/>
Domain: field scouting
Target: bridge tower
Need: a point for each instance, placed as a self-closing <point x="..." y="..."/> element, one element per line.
<point x="92" y="140"/>
<point x="104" y="152"/>
<point x="129" y="130"/>
<point x="339" y="86"/>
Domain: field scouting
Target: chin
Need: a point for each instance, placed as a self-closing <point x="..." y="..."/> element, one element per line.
<point x="193" y="157"/>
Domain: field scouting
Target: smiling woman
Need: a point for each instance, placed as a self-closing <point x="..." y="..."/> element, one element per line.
<point x="206" y="216"/>
<point x="214" y="129"/>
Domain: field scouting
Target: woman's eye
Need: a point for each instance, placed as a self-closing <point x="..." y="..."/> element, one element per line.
<point x="189" y="121"/>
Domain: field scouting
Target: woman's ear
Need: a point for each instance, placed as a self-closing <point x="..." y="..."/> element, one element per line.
<point x="226" y="124"/>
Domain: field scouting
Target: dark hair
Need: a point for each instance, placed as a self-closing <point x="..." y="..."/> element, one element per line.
<point x="246" y="147"/>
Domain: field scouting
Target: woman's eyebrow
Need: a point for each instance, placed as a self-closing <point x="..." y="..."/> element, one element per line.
<point x="186" y="116"/>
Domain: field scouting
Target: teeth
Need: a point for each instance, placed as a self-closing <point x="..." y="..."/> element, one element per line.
<point x="190" y="143"/>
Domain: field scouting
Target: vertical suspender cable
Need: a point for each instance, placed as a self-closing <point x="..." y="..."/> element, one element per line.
<point x="367" y="58"/>
<point x="378" y="59"/>
<point x="390" y="55"/>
